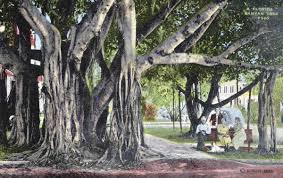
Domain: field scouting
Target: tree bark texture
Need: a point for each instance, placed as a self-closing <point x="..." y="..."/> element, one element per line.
<point x="25" y="130"/>
<point x="191" y="98"/>
<point x="64" y="80"/>
<point x="273" y="146"/>
<point x="180" y="110"/>
<point x="124" y="138"/>
<point x="265" y="102"/>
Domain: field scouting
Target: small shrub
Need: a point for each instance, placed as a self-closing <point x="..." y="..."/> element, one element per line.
<point x="150" y="111"/>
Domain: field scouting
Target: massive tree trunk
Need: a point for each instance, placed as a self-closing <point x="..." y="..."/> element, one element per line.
<point x="262" y="130"/>
<point x="125" y="133"/>
<point x="26" y="123"/>
<point x="124" y="140"/>
<point x="265" y="103"/>
<point x="64" y="106"/>
<point x="64" y="83"/>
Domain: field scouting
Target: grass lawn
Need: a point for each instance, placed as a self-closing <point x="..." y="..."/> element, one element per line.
<point x="176" y="136"/>
<point x="170" y="134"/>
<point x="249" y="155"/>
<point x="164" y="123"/>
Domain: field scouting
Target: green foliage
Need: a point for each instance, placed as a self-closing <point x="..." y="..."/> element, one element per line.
<point x="63" y="14"/>
<point x="93" y="76"/>
<point x="8" y="13"/>
<point x="229" y="26"/>
<point x="254" y="112"/>
<point x="176" y="19"/>
<point x="158" y="85"/>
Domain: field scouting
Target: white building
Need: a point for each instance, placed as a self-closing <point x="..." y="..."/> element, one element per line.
<point x="229" y="88"/>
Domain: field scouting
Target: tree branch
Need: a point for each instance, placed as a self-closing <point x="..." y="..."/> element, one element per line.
<point x="145" y="62"/>
<point x="36" y="20"/>
<point x="242" y="42"/>
<point x="190" y="42"/>
<point x="95" y="50"/>
<point x="150" y="26"/>
<point x="236" y="95"/>
<point x="184" y="58"/>
<point x="202" y="103"/>
<point x="89" y="29"/>
<point x="154" y="22"/>
<point x="205" y="14"/>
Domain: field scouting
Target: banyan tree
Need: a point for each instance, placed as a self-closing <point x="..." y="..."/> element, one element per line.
<point x="74" y="116"/>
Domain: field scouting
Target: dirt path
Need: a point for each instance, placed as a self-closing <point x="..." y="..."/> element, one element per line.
<point x="172" y="150"/>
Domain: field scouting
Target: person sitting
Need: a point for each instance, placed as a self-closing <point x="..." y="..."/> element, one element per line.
<point x="239" y="135"/>
<point x="203" y="129"/>
<point x="223" y="133"/>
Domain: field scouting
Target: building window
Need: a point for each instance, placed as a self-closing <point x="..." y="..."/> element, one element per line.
<point x="225" y="89"/>
<point x="232" y="89"/>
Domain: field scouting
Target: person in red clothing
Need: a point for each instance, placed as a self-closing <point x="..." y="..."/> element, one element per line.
<point x="214" y="122"/>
